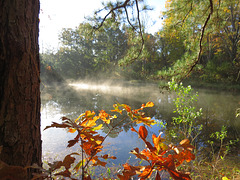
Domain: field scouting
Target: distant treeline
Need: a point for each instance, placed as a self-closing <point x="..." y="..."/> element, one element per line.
<point x="113" y="51"/>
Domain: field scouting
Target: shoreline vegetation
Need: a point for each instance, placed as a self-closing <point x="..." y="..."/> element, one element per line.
<point x="219" y="165"/>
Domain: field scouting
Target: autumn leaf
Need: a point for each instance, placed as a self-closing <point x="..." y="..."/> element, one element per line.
<point x="104" y="156"/>
<point x="91" y="123"/>
<point x="71" y="130"/>
<point x="64" y="118"/>
<point x="56" y="125"/>
<point x="68" y="160"/>
<point x="138" y="155"/>
<point x="143" y="132"/>
<point x="134" y="130"/>
<point x="79" y="165"/>
<point x="158" y="176"/>
<point x="145" y="120"/>
<point x="97" y="162"/>
<point x="116" y="108"/>
<point x="178" y="175"/>
<point x="157" y="141"/>
<point x="79" y="117"/>
<point x="65" y="173"/>
<point x="88" y="177"/>
<point x="185" y="142"/>
<point x="112" y="157"/>
<point x="149" y="104"/>
<point x="103" y="114"/>
<point x="89" y="114"/>
<point x="97" y="128"/>
<point x="72" y="142"/>
<point x="146" y="172"/>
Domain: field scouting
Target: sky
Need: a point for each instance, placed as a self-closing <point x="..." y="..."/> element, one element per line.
<point x="58" y="14"/>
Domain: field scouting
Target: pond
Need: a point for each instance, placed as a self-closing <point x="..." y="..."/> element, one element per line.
<point x="73" y="99"/>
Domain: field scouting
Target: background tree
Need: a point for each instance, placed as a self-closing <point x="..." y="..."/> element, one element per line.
<point x="210" y="28"/>
<point x="19" y="78"/>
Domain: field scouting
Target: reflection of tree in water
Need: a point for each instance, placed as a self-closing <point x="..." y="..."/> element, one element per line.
<point x="218" y="111"/>
<point x="215" y="111"/>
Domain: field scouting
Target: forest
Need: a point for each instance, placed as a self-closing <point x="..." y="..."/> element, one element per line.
<point x="117" y="49"/>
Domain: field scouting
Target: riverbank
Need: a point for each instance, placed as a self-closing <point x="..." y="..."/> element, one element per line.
<point x="221" y="86"/>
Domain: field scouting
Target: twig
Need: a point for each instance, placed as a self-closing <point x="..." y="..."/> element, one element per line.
<point x="111" y="11"/>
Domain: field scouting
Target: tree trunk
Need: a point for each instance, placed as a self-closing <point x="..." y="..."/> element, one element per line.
<point x="19" y="83"/>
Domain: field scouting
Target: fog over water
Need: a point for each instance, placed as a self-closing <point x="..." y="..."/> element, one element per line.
<point x="75" y="98"/>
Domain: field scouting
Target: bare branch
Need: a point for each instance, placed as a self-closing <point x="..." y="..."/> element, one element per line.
<point x="124" y="5"/>
<point x="140" y="30"/>
<point x="129" y="19"/>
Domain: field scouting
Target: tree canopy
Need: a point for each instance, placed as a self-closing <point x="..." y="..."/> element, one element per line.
<point x="199" y="39"/>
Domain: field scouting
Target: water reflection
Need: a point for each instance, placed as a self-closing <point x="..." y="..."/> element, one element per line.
<point x="70" y="101"/>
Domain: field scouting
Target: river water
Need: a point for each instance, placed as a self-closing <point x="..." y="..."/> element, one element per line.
<point x="73" y="99"/>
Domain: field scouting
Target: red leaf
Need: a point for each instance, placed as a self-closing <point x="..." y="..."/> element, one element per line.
<point x="68" y="160"/>
<point x="87" y="178"/>
<point x="146" y="172"/>
<point x="104" y="156"/>
<point x="158" y="177"/>
<point x="65" y="173"/>
<point x="143" y="132"/>
<point x="72" y="142"/>
<point x="178" y="175"/>
<point x="134" y="130"/>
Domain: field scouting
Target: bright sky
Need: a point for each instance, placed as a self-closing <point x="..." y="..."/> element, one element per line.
<point x="58" y="14"/>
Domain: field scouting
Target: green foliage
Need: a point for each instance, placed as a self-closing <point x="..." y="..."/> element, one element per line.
<point x="183" y="23"/>
<point x="216" y="72"/>
<point x="218" y="155"/>
<point x="185" y="125"/>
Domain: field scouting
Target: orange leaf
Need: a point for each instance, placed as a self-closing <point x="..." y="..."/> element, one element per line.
<point x="127" y="108"/>
<point x="146" y="172"/>
<point x="143" y="132"/>
<point x="112" y="157"/>
<point x="103" y="114"/>
<point x="89" y="114"/>
<point x="134" y="130"/>
<point x="149" y="104"/>
<point x="178" y="175"/>
<point x="184" y="142"/>
<point x="71" y="130"/>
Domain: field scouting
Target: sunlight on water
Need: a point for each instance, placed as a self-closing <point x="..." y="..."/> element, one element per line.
<point x="117" y="88"/>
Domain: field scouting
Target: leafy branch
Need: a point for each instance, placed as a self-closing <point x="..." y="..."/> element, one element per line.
<point x="160" y="156"/>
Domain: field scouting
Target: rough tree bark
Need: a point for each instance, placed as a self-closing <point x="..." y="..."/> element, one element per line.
<point x="19" y="83"/>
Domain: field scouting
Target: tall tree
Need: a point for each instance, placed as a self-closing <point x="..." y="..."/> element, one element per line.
<point x="19" y="83"/>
